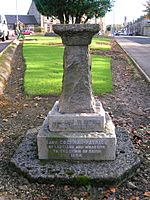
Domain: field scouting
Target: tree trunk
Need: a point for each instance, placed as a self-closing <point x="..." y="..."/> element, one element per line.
<point x="66" y="18"/>
<point x="86" y="20"/>
<point x="72" y="19"/>
<point x="61" y="18"/>
<point x="78" y="19"/>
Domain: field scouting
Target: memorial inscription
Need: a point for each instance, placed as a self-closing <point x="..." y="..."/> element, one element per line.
<point x="76" y="124"/>
<point x="75" y="147"/>
<point x="77" y="121"/>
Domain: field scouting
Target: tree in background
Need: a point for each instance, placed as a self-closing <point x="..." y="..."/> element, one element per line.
<point x="147" y="10"/>
<point x="79" y="11"/>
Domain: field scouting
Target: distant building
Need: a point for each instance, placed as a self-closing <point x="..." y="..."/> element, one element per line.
<point x="33" y="11"/>
<point x="44" y="22"/>
<point x="24" y="21"/>
<point x="141" y="26"/>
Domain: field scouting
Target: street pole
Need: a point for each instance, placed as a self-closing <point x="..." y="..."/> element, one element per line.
<point x="17" y="15"/>
<point x="113" y="25"/>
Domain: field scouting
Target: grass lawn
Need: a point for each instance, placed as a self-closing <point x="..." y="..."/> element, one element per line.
<point x="100" y="43"/>
<point x="101" y="74"/>
<point x="44" y="66"/>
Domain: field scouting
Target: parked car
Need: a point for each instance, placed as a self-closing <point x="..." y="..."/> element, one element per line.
<point x="119" y="33"/>
<point x="4" y="33"/>
<point x="26" y="32"/>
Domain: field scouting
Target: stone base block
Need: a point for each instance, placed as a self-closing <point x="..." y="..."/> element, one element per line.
<point x="68" y="145"/>
<point x="82" y="122"/>
<point x="97" y="173"/>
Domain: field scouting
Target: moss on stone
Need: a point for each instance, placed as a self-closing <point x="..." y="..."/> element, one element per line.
<point x="69" y="173"/>
<point x="82" y="180"/>
<point x="43" y="162"/>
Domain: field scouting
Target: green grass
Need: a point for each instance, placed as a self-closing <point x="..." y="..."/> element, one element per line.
<point x="101" y="43"/>
<point x="44" y="66"/>
<point x="101" y="75"/>
<point x="39" y="39"/>
<point x="44" y="70"/>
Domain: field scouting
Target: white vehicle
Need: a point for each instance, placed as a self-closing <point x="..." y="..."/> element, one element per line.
<point x="4" y="33"/>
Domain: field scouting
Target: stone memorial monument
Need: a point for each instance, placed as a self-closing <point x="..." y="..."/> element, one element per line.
<point x="77" y="143"/>
<point x="77" y="127"/>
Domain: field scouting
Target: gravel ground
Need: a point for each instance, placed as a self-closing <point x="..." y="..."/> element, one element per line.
<point x="129" y="107"/>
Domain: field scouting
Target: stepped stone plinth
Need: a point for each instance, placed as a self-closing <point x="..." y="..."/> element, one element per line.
<point x="77" y="140"/>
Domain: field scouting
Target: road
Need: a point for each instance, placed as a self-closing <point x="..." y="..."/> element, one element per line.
<point x="139" y="39"/>
<point x="4" y="44"/>
<point x="138" y="48"/>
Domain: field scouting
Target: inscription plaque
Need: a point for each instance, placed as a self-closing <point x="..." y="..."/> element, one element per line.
<point x="76" y="148"/>
<point x="76" y="122"/>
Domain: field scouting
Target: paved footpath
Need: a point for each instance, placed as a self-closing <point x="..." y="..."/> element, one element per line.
<point x="138" y="48"/>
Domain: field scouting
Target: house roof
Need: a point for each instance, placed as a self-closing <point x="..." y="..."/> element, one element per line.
<point x="25" y="19"/>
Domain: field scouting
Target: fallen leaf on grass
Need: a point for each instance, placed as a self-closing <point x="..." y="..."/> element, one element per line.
<point x="37" y="98"/>
<point x="112" y="189"/>
<point x="133" y="131"/>
<point x="13" y="115"/>
<point x="51" y="186"/>
<point x="45" y="198"/>
<point x="137" y="139"/>
<point x="41" y="116"/>
<point x="5" y="120"/>
<point x="25" y="105"/>
<point x="141" y="126"/>
<point x="107" y="193"/>
<point x="84" y="194"/>
<point x="134" y="198"/>
<point x="66" y="188"/>
<point x="36" y="104"/>
<point x="148" y="132"/>
<point x="147" y="194"/>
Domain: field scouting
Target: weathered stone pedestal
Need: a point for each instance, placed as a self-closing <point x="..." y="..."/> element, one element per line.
<point x="77" y="127"/>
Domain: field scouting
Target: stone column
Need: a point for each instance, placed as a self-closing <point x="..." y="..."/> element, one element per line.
<point x="76" y="94"/>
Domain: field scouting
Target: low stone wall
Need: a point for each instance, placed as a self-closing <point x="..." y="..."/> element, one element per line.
<point x="5" y="64"/>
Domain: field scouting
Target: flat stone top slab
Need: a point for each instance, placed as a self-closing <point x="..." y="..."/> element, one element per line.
<point x="76" y="34"/>
<point x="96" y="173"/>
<point x="94" y="28"/>
<point x="99" y="111"/>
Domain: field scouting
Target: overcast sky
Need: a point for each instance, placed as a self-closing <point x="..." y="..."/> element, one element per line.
<point x="9" y="6"/>
<point x="132" y="9"/>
